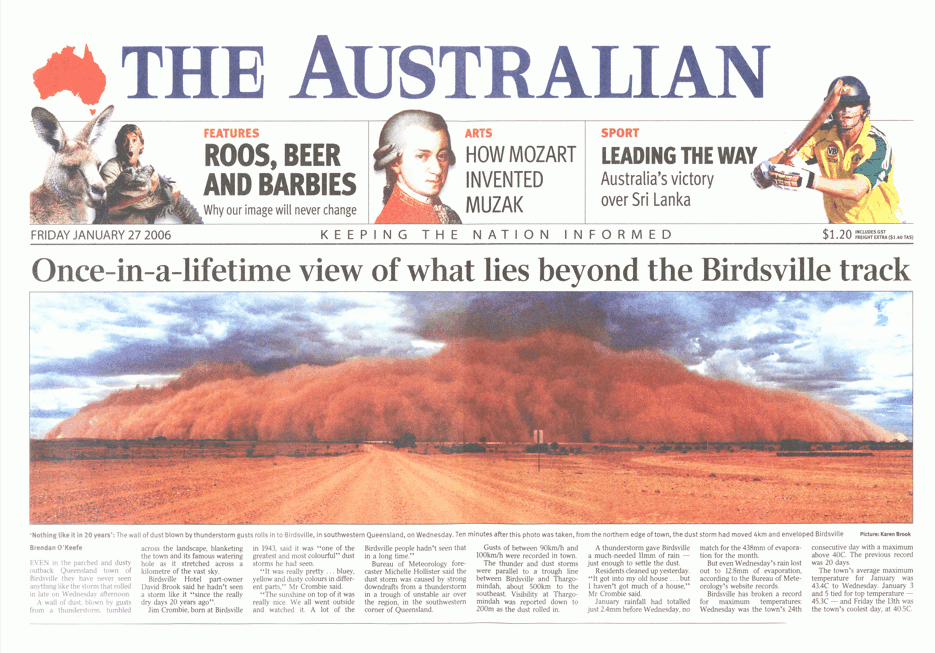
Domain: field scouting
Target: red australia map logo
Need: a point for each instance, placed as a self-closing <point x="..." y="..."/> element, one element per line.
<point x="65" y="71"/>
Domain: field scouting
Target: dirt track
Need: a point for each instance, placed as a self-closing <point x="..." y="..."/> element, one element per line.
<point x="377" y="485"/>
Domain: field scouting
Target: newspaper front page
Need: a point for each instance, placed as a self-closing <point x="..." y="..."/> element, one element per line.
<point x="462" y="325"/>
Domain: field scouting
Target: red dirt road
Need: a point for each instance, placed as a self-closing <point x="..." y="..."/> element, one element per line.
<point x="378" y="485"/>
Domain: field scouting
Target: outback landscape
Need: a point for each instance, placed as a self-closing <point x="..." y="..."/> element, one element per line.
<point x="216" y="482"/>
<point x="512" y="408"/>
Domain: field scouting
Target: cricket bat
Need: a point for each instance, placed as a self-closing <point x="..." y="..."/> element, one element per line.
<point x="824" y="111"/>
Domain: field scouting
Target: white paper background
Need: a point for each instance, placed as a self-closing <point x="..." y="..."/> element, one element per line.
<point x="883" y="44"/>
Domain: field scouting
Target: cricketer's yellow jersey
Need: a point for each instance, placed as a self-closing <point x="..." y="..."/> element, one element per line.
<point x="872" y="157"/>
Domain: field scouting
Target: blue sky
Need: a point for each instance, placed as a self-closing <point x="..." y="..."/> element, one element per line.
<point x="851" y="349"/>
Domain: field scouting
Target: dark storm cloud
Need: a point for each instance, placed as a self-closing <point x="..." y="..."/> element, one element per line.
<point x="497" y="316"/>
<point x="673" y="322"/>
<point x="171" y="332"/>
<point x="779" y="340"/>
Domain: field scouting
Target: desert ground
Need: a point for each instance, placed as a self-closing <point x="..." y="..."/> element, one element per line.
<point x="296" y="483"/>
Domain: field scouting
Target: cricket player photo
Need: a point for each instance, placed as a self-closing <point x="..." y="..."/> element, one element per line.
<point x="854" y="158"/>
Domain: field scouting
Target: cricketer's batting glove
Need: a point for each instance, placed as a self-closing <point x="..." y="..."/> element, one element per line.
<point x="761" y="176"/>
<point x="791" y="178"/>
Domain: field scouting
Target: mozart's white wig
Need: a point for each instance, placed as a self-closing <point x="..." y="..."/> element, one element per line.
<point x="393" y="141"/>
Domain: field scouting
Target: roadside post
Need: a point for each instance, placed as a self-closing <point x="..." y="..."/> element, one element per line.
<point x="539" y="436"/>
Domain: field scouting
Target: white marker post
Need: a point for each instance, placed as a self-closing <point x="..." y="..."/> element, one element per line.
<point x="539" y="436"/>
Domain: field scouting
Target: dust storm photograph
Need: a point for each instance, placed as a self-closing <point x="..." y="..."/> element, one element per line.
<point x="474" y="408"/>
